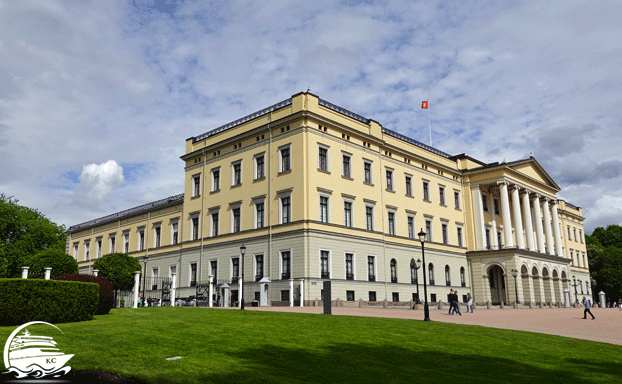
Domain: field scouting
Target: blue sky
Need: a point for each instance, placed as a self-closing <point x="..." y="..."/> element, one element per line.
<point x="97" y="98"/>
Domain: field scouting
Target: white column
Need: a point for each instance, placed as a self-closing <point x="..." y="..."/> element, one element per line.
<point x="493" y="230"/>
<point x="25" y="272"/>
<point x="173" y="288"/>
<point x="136" y="286"/>
<point x="550" y="247"/>
<point x="291" y="292"/>
<point x="478" y="211"/>
<point x="95" y="272"/>
<point x="210" y="301"/>
<point x="518" y="223"/>
<point x="240" y="282"/>
<point x="505" y="215"/>
<point x="538" y="215"/>
<point x="47" y="273"/>
<point x="527" y="217"/>
<point x="301" y="293"/>
<point x="556" y="230"/>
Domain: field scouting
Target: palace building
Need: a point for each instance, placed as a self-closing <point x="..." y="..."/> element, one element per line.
<point x="316" y="192"/>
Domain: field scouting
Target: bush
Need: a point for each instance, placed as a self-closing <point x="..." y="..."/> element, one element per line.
<point x="119" y="269"/>
<point x="106" y="294"/>
<point x="24" y="300"/>
<point x="60" y="262"/>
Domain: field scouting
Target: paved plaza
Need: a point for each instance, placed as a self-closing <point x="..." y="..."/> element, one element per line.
<point x="568" y="322"/>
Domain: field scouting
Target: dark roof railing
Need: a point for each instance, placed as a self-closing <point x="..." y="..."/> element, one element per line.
<point x="343" y="111"/>
<point x="572" y="206"/>
<point x="244" y="119"/>
<point x="129" y="212"/>
<point x="415" y="142"/>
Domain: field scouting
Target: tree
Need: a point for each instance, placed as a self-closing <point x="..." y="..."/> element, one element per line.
<point x="610" y="236"/>
<point x="60" y="262"/>
<point x="24" y="232"/>
<point x="605" y="264"/>
<point x="119" y="269"/>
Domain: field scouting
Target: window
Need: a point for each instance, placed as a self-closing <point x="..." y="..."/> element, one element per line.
<point x="462" y="279"/>
<point x="285" y="295"/>
<point x="214" y="217"/>
<point x="260" y="172"/>
<point x="350" y="295"/>
<point x="235" y="269"/>
<point x="285" y="265"/>
<point x="581" y="236"/>
<point x="445" y="235"/>
<point x="175" y="232"/>
<point x="441" y="194"/>
<point x="391" y="222"/>
<point x="126" y="242"/>
<point x="154" y="278"/>
<point x="286" y="210"/>
<point x="215" y="179"/>
<point x="196" y="182"/>
<point x="99" y="248"/>
<point x="459" y="234"/>
<point x="572" y="256"/>
<point x="457" y="199"/>
<point x="368" y="172"/>
<point x="323" y="159"/>
<point x="372" y="295"/>
<point x="575" y="234"/>
<point x="393" y="271"/>
<point x="485" y="202"/>
<point x="259" y="215"/>
<point x="496" y="204"/>
<point x="499" y="242"/>
<point x="235" y="222"/>
<point x="87" y="250"/>
<point x="347" y="213"/>
<point x="569" y="234"/>
<point x="214" y="269"/>
<point x="324" y="268"/>
<point x="433" y="297"/>
<point x="157" y="231"/>
<point x="426" y="190"/>
<point x="371" y="268"/>
<point x="369" y="217"/>
<point x="389" y="174"/>
<point x="396" y="296"/>
<point x="431" y="273"/>
<point x="173" y="270"/>
<point x="141" y="239"/>
<point x="584" y="263"/>
<point x="258" y="267"/>
<point x="349" y="266"/>
<point x="195" y="228"/>
<point x="285" y="159"/>
<point x="447" y="278"/>
<point x="324" y="209"/>
<point x="413" y="274"/>
<point x="411" y="227"/>
<point x="75" y="251"/>
<point x="236" y="173"/>
<point x="193" y="274"/>
<point x="409" y="186"/>
<point x="488" y="242"/>
<point x="347" y="166"/>
<point x="428" y="229"/>
<point x="113" y="244"/>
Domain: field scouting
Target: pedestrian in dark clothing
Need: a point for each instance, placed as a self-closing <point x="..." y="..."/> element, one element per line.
<point x="456" y="303"/>
<point x="449" y="301"/>
<point x="587" y="309"/>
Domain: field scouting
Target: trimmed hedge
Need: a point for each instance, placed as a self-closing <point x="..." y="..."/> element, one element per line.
<point x="106" y="294"/>
<point x="24" y="300"/>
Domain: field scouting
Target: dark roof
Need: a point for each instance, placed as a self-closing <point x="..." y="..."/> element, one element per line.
<point x="129" y="212"/>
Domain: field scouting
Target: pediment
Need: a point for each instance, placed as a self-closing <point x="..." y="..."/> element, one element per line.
<point x="533" y="170"/>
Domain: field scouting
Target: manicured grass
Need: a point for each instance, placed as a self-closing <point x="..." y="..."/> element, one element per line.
<point x="231" y="346"/>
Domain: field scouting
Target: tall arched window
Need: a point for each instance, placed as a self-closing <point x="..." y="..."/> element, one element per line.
<point x="431" y="273"/>
<point x="413" y="274"/>
<point x="393" y="271"/>
<point x="462" y="278"/>
<point x="447" y="278"/>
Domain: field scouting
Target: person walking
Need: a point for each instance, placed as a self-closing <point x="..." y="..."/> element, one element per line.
<point x="456" y="303"/>
<point x="587" y="308"/>
<point x="449" y="301"/>
<point x="469" y="302"/>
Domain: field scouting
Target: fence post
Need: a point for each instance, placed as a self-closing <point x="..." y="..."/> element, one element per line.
<point x="48" y="272"/>
<point x="301" y="292"/>
<point x="95" y="272"/>
<point x="136" y="283"/>
<point x="291" y="292"/>
<point x="210" y="291"/>
<point x="173" y="289"/>
<point x="25" y="272"/>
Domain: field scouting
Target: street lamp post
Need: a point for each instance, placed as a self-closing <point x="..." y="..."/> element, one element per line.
<point x="416" y="265"/>
<point x="515" y="273"/>
<point x="242" y="251"/>
<point x="593" y="282"/>
<point x="574" y="283"/>
<point x="426" y="310"/>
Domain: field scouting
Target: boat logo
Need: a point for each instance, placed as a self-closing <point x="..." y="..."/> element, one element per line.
<point x="34" y="356"/>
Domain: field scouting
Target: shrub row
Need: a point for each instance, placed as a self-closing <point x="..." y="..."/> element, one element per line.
<point x="106" y="293"/>
<point x="24" y="300"/>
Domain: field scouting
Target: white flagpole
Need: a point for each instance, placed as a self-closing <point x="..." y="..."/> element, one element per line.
<point x="429" y="125"/>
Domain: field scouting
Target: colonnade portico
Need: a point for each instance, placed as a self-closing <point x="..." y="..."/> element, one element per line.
<point x="519" y="217"/>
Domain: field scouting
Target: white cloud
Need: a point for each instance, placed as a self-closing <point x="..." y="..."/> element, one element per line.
<point x="98" y="180"/>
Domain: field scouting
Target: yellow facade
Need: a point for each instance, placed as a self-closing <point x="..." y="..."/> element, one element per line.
<point x="343" y="200"/>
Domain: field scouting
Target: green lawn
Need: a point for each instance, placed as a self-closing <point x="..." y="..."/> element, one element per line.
<point x="230" y="346"/>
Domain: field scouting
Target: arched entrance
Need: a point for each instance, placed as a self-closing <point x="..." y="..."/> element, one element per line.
<point x="546" y="283"/>
<point x="537" y="292"/>
<point x="556" y="287"/>
<point x="496" y="280"/>
<point x="528" y="295"/>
